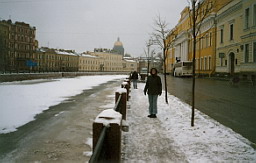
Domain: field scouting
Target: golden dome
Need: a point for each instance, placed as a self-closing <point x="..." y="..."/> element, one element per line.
<point x="118" y="42"/>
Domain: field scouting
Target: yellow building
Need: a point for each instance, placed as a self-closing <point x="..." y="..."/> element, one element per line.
<point x="182" y="44"/>
<point x="89" y="62"/>
<point x="205" y="58"/>
<point x="111" y="61"/>
<point x="56" y="60"/>
<point x="179" y="38"/>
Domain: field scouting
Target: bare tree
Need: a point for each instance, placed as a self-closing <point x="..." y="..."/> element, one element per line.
<point x="197" y="16"/>
<point x="160" y="36"/>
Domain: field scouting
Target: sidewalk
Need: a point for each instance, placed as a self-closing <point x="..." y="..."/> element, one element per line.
<point x="169" y="138"/>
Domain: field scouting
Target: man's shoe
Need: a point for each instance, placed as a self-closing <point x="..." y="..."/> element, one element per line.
<point x="153" y="116"/>
<point x="150" y="116"/>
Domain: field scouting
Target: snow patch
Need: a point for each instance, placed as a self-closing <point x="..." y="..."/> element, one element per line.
<point x="106" y="117"/>
<point x="89" y="142"/>
<point x="87" y="153"/>
<point x="121" y="90"/>
<point x="56" y="115"/>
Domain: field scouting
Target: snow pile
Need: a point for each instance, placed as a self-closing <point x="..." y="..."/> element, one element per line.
<point x="121" y="90"/>
<point x="108" y="116"/>
<point x="170" y="138"/>
<point x="21" y="101"/>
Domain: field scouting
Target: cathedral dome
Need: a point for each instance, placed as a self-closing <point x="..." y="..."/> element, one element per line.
<point x="118" y="47"/>
<point x="118" y="42"/>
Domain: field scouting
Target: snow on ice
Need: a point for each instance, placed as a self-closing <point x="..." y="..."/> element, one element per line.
<point x="21" y="101"/>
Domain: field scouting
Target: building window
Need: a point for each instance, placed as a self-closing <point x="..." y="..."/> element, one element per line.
<point x="207" y="41"/>
<point x="254" y="52"/>
<point x="254" y="14"/>
<point x="221" y="35"/>
<point x="231" y="31"/>
<point x="205" y="63"/>
<point x="247" y="18"/>
<point x="210" y="64"/>
<point x="201" y="63"/>
<point x="221" y="61"/>
<point x="210" y="39"/>
<point x="246" y="53"/>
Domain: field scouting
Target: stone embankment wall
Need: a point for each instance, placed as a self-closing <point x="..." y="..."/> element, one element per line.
<point x="30" y="76"/>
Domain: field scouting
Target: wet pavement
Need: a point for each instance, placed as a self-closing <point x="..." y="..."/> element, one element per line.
<point x="233" y="105"/>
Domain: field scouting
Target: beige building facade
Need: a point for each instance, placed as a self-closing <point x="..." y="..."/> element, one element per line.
<point x="89" y="62"/>
<point x="228" y="45"/>
<point x="248" y="37"/>
<point x="236" y="38"/>
<point x="111" y="61"/>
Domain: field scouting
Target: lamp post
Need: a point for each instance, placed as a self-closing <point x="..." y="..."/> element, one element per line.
<point x="149" y="43"/>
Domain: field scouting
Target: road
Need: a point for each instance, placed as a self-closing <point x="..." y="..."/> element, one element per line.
<point x="232" y="105"/>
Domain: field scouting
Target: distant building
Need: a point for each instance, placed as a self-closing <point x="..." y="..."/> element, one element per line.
<point x="111" y="61"/>
<point x="89" y="62"/>
<point x="118" y="47"/>
<point x="56" y="60"/>
<point x="17" y="46"/>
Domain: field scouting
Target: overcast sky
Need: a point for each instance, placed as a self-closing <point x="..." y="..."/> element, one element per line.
<point x="83" y="25"/>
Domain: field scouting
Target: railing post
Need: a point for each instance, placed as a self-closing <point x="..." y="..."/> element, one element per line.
<point x="127" y="87"/>
<point x="112" y="141"/>
<point x="128" y="81"/>
<point x="123" y="102"/>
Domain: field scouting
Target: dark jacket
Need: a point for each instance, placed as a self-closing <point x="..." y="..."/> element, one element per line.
<point x="134" y="75"/>
<point x="153" y="85"/>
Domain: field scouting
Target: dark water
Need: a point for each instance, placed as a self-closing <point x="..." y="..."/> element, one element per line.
<point x="232" y="105"/>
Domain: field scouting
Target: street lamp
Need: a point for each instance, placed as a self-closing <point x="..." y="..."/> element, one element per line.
<point x="149" y="43"/>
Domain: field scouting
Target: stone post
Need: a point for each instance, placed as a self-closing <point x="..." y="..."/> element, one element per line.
<point x="112" y="142"/>
<point x="123" y="102"/>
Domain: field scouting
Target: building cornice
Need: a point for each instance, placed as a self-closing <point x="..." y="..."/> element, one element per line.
<point x="248" y="35"/>
<point x="229" y="11"/>
<point x="229" y="46"/>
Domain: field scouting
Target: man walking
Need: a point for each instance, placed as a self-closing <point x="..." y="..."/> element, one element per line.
<point x="135" y="78"/>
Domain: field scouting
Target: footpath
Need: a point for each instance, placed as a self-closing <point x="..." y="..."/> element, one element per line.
<point x="170" y="138"/>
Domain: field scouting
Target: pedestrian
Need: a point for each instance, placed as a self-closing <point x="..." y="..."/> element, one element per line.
<point x="153" y="88"/>
<point x="135" y="78"/>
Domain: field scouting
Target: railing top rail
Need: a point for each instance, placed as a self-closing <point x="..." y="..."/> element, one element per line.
<point x="95" y="156"/>
<point x="117" y="103"/>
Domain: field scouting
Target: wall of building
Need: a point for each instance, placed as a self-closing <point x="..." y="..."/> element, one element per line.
<point x="19" y="46"/>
